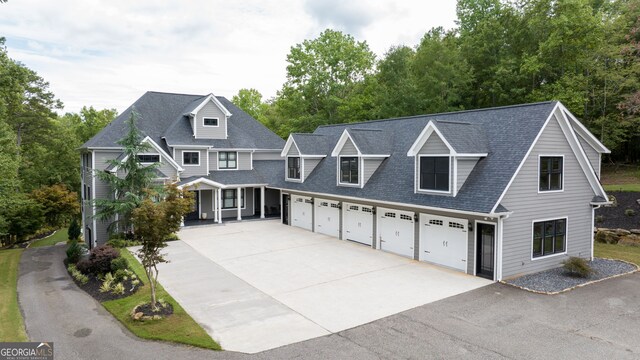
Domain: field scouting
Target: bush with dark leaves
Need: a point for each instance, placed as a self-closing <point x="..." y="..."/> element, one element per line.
<point x="99" y="261"/>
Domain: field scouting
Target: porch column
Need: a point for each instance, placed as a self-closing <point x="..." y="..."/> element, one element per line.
<point x="239" y="202"/>
<point x="261" y="202"/>
<point x="214" y="209"/>
<point x="219" y="206"/>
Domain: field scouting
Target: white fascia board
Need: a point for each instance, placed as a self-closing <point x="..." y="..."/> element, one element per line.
<point x="313" y="156"/>
<point x="585" y="133"/>
<point x="103" y="148"/>
<point x="163" y="153"/>
<point x="215" y="100"/>
<point x="190" y="146"/>
<point x="374" y="156"/>
<point x="524" y="159"/>
<point x="422" y="139"/>
<point x="343" y="140"/>
<point x="287" y="146"/>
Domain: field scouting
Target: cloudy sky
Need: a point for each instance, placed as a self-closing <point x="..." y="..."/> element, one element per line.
<point x="108" y="53"/>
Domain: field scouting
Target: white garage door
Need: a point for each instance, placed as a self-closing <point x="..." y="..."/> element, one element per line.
<point x="301" y="212"/>
<point x="397" y="231"/>
<point x="327" y="217"/>
<point x="358" y="223"/>
<point x="443" y="240"/>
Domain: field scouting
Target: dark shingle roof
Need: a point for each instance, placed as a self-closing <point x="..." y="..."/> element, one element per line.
<point x="312" y="144"/>
<point x="464" y="137"/>
<point x="263" y="175"/>
<point x="371" y="141"/>
<point x="161" y="115"/>
<point x="511" y="131"/>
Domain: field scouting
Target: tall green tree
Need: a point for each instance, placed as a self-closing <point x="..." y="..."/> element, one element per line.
<point x="88" y="122"/>
<point x="131" y="183"/>
<point x="250" y="101"/>
<point x="397" y="87"/>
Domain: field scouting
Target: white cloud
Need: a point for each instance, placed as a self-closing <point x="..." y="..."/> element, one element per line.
<point x="108" y="53"/>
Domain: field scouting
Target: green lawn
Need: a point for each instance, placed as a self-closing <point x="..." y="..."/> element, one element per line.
<point x="58" y="236"/>
<point x="179" y="327"/>
<point x="622" y="187"/>
<point x="614" y="251"/>
<point x="11" y="324"/>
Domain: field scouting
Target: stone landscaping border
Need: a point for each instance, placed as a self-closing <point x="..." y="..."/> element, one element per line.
<point x="637" y="268"/>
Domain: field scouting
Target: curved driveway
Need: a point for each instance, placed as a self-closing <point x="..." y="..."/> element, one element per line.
<point x="494" y="322"/>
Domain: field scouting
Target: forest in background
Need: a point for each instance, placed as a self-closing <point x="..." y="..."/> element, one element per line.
<point x="585" y="53"/>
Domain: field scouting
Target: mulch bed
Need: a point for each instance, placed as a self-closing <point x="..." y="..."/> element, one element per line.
<point x="557" y="280"/>
<point x="613" y="217"/>
<point x="163" y="309"/>
<point x="92" y="287"/>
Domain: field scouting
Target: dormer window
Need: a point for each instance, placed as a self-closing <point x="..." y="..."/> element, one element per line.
<point x="210" y="121"/>
<point x="434" y="173"/>
<point x="148" y="158"/>
<point x="227" y="160"/>
<point x="293" y="167"/>
<point x="550" y="173"/>
<point x="349" y="170"/>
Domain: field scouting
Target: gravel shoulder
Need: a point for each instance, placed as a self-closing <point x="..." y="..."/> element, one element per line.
<point x="556" y="280"/>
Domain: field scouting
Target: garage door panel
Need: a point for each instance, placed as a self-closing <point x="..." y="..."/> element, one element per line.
<point x="301" y="212"/>
<point x="397" y="231"/>
<point x="358" y="223"/>
<point x="327" y="217"/>
<point x="443" y="240"/>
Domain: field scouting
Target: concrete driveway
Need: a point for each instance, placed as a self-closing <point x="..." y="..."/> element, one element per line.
<point x="260" y="285"/>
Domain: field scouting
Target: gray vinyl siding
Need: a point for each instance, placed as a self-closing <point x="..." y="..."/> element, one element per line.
<point x="293" y="151"/>
<point x="102" y="191"/>
<point x="592" y="155"/>
<point x="527" y="205"/>
<point x="369" y="166"/>
<point x="434" y="145"/>
<point x="471" y="255"/>
<point x="267" y="155"/>
<point x="206" y="204"/>
<point x="190" y="170"/>
<point x="465" y="166"/>
<point x="244" y="161"/>
<point x="210" y="132"/>
<point x="348" y="148"/>
<point x="213" y="160"/>
<point x="309" y="165"/>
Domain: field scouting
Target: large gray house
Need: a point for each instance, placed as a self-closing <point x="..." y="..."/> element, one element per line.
<point x="494" y="192"/>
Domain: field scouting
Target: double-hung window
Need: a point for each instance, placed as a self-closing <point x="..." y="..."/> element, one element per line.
<point x="293" y="167"/>
<point x="549" y="237"/>
<point x="227" y="160"/>
<point x="434" y="173"/>
<point x="550" y="173"/>
<point x="349" y="170"/>
<point x="229" y="199"/>
<point x="191" y="158"/>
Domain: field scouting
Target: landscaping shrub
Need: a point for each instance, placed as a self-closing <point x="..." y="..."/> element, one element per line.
<point x="121" y="274"/>
<point x="629" y="212"/>
<point x="119" y="263"/>
<point x="99" y="261"/>
<point x="80" y="277"/>
<point x="577" y="267"/>
<point x="73" y="252"/>
<point x="172" y="237"/>
<point x="122" y="243"/>
<point x="599" y="219"/>
<point x="74" y="230"/>
<point x="118" y="289"/>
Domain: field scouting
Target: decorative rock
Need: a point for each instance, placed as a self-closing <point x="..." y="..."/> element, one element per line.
<point x="638" y="201"/>
<point x="622" y="232"/>
<point x="157" y="317"/>
<point x="138" y="316"/>
<point x="607" y="237"/>
<point x="635" y="231"/>
<point x="631" y="240"/>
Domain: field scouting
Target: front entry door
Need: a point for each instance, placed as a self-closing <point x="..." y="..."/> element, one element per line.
<point x="486" y="238"/>
<point x="285" y="209"/>
<point x="193" y="215"/>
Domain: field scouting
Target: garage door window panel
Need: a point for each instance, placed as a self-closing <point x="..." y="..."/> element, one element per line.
<point x="434" y="173"/>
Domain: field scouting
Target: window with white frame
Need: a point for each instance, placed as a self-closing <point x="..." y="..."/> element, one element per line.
<point x="293" y="167"/>
<point x="191" y="158"/>
<point x="551" y="168"/>
<point x="148" y="158"/>
<point x="349" y="170"/>
<point x="227" y="160"/>
<point x="549" y="237"/>
<point x="434" y="173"/>
<point x="210" y="121"/>
<point x="229" y="199"/>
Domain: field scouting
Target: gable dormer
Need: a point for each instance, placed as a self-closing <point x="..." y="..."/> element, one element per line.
<point x="302" y="153"/>
<point x="209" y="119"/>
<point x="445" y="154"/>
<point x="359" y="153"/>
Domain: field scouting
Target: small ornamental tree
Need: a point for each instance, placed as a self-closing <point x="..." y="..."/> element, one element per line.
<point x="74" y="230"/>
<point x="58" y="203"/>
<point x="132" y="181"/>
<point x="154" y="223"/>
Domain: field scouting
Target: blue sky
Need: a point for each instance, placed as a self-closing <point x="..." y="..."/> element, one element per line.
<point x="108" y="53"/>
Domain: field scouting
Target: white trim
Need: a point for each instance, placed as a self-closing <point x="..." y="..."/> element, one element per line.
<point x="475" y="245"/>
<point x="524" y="159"/>
<point x="339" y="182"/>
<point x="429" y="129"/>
<point x="207" y="152"/>
<point x="454" y="160"/>
<point x="211" y="118"/>
<point x="149" y="163"/>
<point x="199" y="204"/>
<point x="93" y="198"/>
<point x="191" y="146"/>
<point x="585" y="133"/>
<point x="343" y="140"/>
<point x="215" y="100"/>
<point x="499" y="243"/>
<point x="162" y="152"/>
<point x="227" y="169"/>
<point x="235" y="188"/>
<point x="417" y="177"/>
<point x="562" y="174"/>
<point x="566" y="237"/>
<point x="287" y="146"/>
<point x="251" y="159"/>
<point x="185" y="152"/>
<point x="300" y="169"/>
<point x="102" y="148"/>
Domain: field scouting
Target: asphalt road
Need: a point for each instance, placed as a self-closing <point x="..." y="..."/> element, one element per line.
<point x="600" y="321"/>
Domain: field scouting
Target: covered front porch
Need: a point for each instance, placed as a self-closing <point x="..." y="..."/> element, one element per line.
<point x="216" y="202"/>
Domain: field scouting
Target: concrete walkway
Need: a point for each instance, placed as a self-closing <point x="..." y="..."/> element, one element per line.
<point x="260" y="285"/>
